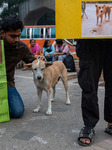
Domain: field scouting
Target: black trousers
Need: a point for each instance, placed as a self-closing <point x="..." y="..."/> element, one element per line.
<point x="95" y="56"/>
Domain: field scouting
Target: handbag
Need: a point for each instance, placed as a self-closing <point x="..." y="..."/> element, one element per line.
<point x="48" y="58"/>
<point x="49" y="50"/>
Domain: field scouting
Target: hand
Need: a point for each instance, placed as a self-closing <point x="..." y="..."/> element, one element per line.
<point x="54" y="54"/>
<point x="41" y="58"/>
<point x="47" y="54"/>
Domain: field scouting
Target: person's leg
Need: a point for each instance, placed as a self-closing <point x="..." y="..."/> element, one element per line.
<point x="16" y="106"/>
<point x="61" y="57"/>
<point x="108" y="83"/>
<point x="88" y="78"/>
<point x="89" y="85"/>
<point x="55" y="58"/>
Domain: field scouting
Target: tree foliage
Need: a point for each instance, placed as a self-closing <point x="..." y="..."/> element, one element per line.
<point x="12" y="9"/>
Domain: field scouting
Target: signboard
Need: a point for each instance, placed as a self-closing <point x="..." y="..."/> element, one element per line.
<point x="4" y="109"/>
<point x="83" y="19"/>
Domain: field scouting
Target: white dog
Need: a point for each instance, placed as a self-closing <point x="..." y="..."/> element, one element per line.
<point x="46" y="77"/>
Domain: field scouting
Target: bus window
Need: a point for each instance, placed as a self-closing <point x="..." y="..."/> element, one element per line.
<point x="47" y="33"/>
<point x="28" y="32"/>
<point x="41" y="33"/>
<point x="36" y="33"/>
<point x="53" y="32"/>
<point x="23" y="34"/>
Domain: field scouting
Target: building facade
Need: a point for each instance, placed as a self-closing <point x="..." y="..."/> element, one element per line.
<point x="34" y="12"/>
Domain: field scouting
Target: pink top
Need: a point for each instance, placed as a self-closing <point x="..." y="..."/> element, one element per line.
<point x="35" y="49"/>
<point x="65" y="50"/>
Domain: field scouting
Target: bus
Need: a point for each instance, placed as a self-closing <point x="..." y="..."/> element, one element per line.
<point x="43" y="32"/>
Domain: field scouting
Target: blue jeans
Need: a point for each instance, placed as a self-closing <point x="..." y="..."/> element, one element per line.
<point x="16" y="106"/>
<point x="59" y="57"/>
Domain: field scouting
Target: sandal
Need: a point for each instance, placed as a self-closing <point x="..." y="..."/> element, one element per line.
<point x="108" y="130"/>
<point x="88" y="133"/>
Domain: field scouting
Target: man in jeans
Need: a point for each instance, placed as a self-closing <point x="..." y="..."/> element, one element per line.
<point x="95" y="56"/>
<point x="15" y="50"/>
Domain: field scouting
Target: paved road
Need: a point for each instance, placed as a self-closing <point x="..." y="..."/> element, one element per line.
<point x="58" y="131"/>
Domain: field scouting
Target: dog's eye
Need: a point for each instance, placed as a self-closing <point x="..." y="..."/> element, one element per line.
<point x="99" y="7"/>
<point x="42" y="69"/>
<point x="35" y="69"/>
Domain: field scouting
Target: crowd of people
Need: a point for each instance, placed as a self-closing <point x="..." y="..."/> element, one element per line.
<point x="52" y="52"/>
<point x="58" y="50"/>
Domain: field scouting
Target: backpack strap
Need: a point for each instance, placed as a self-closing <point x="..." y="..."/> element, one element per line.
<point x="60" y="51"/>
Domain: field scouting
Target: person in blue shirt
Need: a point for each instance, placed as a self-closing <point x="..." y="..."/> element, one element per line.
<point x="48" y="50"/>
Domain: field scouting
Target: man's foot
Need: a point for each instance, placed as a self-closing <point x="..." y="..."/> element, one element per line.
<point x="86" y="136"/>
<point x="85" y="140"/>
<point x="108" y="130"/>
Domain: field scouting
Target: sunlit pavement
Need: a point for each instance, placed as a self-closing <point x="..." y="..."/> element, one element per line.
<point x="59" y="131"/>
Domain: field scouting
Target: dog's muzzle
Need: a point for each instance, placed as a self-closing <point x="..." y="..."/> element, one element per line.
<point x="101" y="11"/>
<point x="39" y="77"/>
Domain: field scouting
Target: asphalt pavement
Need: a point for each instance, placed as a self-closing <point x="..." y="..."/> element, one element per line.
<point x="59" y="131"/>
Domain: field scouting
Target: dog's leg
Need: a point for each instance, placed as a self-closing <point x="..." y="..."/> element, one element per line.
<point x="39" y="93"/>
<point x="108" y="11"/>
<point x="97" y="20"/>
<point x="105" y="15"/>
<point x="64" y="79"/>
<point x="108" y="16"/>
<point x="54" y="91"/>
<point x="49" y="112"/>
<point x="67" y="96"/>
<point x="101" y="20"/>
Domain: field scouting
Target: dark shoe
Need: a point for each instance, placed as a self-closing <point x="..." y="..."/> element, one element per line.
<point x="108" y="130"/>
<point x="88" y="133"/>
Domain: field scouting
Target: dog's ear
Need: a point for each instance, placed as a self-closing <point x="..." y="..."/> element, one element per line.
<point x="34" y="62"/>
<point x="103" y="6"/>
<point x="47" y="64"/>
<point x="96" y="5"/>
